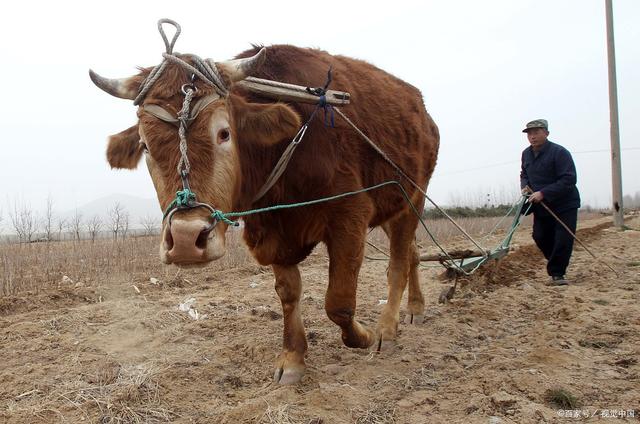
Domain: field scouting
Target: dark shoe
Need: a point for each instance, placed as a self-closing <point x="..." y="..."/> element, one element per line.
<point x="557" y="280"/>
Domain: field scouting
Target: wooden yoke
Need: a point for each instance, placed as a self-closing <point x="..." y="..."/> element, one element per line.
<point x="454" y="254"/>
<point x="291" y="92"/>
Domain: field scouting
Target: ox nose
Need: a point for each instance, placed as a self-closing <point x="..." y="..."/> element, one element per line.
<point x="186" y="241"/>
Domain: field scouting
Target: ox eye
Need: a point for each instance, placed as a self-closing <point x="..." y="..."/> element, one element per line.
<point x="224" y="135"/>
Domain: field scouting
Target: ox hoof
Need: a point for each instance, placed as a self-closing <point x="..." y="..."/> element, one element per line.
<point x="385" y="341"/>
<point x="288" y="376"/>
<point x="383" y="345"/>
<point x="415" y="319"/>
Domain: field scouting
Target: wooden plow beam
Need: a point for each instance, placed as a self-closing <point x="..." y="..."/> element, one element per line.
<point x="454" y="254"/>
<point x="291" y="92"/>
<point x="466" y="259"/>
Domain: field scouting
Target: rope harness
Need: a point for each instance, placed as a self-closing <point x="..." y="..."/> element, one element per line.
<point x="206" y="71"/>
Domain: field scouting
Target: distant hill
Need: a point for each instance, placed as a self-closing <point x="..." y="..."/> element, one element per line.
<point x="137" y="208"/>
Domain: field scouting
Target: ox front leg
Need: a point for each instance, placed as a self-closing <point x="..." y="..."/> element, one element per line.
<point x="290" y="364"/>
<point x="345" y="258"/>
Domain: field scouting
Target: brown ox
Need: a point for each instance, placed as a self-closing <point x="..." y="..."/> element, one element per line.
<point x="234" y="144"/>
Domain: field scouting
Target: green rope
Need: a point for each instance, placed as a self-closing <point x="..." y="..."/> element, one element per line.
<point x="183" y="198"/>
<point x="226" y="216"/>
<point x="520" y="211"/>
<point x="221" y="216"/>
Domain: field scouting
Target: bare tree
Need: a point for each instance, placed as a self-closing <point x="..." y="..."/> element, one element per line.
<point x="125" y="225"/>
<point x="93" y="227"/>
<point x="24" y="221"/>
<point x="76" y="224"/>
<point x="150" y="225"/>
<point x="62" y="224"/>
<point x="16" y="222"/>
<point x="47" y="220"/>
<point x="116" y="216"/>
<point x="1" y="227"/>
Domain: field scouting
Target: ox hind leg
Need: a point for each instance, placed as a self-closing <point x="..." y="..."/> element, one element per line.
<point x="290" y="365"/>
<point x="415" y="299"/>
<point x="346" y="251"/>
<point x="403" y="268"/>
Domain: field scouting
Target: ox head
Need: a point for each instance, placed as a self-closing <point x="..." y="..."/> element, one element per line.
<point x="221" y="127"/>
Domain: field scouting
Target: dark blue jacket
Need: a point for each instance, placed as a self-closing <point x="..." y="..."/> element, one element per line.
<point x="554" y="174"/>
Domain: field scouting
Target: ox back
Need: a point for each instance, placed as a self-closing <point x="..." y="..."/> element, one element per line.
<point x="332" y="160"/>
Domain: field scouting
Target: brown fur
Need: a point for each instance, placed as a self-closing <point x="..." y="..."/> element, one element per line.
<point x="124" y="150"/>
<point x="335" y="160"/>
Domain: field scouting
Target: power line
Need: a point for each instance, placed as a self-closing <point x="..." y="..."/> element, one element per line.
<point x="495" y="165"/>
<point x="605" y="150"/>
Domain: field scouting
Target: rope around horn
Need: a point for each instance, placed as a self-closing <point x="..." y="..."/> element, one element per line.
<point x="206" y="70"/>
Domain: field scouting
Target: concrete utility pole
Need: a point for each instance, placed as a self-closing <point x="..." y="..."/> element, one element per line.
<point x="616" y="167"/>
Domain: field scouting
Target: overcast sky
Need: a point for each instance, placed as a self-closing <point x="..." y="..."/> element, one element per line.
<point x="485" y="68"/>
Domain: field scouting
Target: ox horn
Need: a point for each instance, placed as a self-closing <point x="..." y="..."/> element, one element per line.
<point x="239" y="69"/>
<point x="116" y="87"/>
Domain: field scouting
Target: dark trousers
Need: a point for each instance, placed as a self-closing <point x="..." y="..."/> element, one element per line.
<point x="553" y="239"/>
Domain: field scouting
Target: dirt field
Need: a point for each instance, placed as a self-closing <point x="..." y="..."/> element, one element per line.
<point x="118" y="350"/>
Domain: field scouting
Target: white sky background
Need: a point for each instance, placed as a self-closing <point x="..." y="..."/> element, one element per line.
<point x="485" y="68"/>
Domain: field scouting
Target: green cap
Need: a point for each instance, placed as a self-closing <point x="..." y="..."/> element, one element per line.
<point x="537" y="123"/>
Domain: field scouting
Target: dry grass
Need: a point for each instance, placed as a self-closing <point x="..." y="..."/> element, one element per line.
<point x="38" y="266"/>
<point x="376" y="413"/>
<point x="35" y="266"/>
<point x="282" y="414"/>
<point x="423" y="378"/>
<point x="118" y="394"/>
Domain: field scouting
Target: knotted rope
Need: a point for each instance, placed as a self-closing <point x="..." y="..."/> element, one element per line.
<point x="282" y="163"/>
<point x="183" y="117"/>
<point x="205" y="70"/>
<point x="321" y="92"/>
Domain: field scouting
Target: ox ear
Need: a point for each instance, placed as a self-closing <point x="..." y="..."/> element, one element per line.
<point x="124" y="149"/>
<point x="266" y="124"/>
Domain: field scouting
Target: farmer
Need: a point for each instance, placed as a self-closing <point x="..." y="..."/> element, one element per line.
<point x="549" y="174"/>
